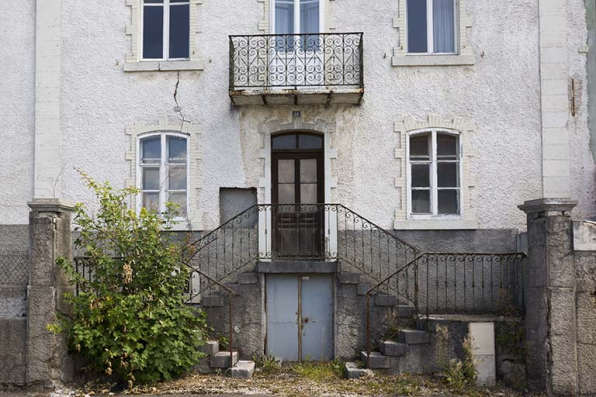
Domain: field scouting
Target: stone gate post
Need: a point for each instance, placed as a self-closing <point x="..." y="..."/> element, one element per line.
<point x="550" y="297"/>
<point x="50" y="238"/>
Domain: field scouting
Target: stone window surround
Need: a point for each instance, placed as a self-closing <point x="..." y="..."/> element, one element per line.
<point x="194" y="220"/>
<point x="464" y="56"/>
<point x="133" y="60"/>
<point x="274" y="127"/>
<point x="467" y="219"/>
<point x="328" y="10"/>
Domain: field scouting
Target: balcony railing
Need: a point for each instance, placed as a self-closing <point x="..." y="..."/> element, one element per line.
<point x="292" y="61"/>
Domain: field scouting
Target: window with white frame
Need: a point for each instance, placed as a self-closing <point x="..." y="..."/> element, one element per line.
<point x="434" y="174"/>
<point x="432" y="26"/>
<point x="166" y="30"/>
<point x="163" y="171"/>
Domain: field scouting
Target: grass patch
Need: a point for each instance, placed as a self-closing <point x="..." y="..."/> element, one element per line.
<point x="320" y="372"/>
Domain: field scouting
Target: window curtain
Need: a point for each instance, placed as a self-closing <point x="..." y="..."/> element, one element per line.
<point x="309" y="16"/>
<point x="284" y="16"/>
<point x="444" y="25"/>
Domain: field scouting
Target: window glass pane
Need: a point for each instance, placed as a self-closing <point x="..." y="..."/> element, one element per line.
<point x="420" y="175"/>
<point x="179" y="1"/>
<point x="153" y="1"/>
<point x="152" y="32"/>
<point x="447" y="147"/>
<point x="420" y="201"/>
<point x="417" y="26"/>
<point x="176" y="149"/>
<point x="179" y="31"/>
<point x="448" y="202"/>
<point x="151" y="150"/>
<point x="448" y="174"/>
<point x="310" y="141"/>
<point x="179" y="198"/>
<point x="444" y="26"/>
<point x="309" y="16"/>
<point x="284" y="16"/>
<point x="150" y="178"/>
<point x="285" y="171"/>
<point x="151" y="201"/>
<point x="286" y="194"/>
<point x="284" y="142"/>
<point x="308" y="193"/>
<point x="308" y="170"/>
<point x="177" y="177"/>
<point x="419" y="147"/>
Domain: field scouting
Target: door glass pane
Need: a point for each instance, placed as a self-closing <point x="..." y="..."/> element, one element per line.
<point x="448" y="202"/>
<point x="419" y="147"/>
<point x="176" y="149"/>
<point x="284" y="142"/>
<point x="448" y="174"/>
<point x="151" y="201"/>
<point x="179" y="198"/>
<point x="420" y="175"/>
<point x="417" y="33"/>
<point x="421" y="201"/>
<point x="286" y="194"/>
<point x="179" y="31"/>
<point x="447" y="148"/>
<point x="177" y="177"/>
<point x="309" y="16"/>
<point x="150" y="178"/>
<point x="285" y="171"/>
<point x="444" y="26"/>
<point x="310" y="141"/>
<point x="284" y="16"/>
<point x="308" y="193"/>
<point x="151" y="150"/>
<point x="308" y="170"/>
<point x="153" y="32"/>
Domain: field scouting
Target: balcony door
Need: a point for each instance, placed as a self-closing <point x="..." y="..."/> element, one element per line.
<point x="298" y="208"/>
<point x="297" y="55"/>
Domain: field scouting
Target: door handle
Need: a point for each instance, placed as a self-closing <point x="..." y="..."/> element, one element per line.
<point x="305" y="319"/>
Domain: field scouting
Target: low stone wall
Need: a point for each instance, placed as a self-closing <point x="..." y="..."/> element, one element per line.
<point x="13" y="347"/>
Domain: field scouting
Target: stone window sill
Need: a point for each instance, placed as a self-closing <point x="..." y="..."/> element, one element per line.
<point x="435" y="224"/>
<point x="433" y="60"/>
<point x="162" y="66"/>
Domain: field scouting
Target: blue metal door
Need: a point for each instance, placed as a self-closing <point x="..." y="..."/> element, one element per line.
<point x="300" y="317"/>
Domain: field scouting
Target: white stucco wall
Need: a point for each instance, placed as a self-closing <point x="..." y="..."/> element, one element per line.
<point x="500" y="95"/>
<point x="17" y="101"/>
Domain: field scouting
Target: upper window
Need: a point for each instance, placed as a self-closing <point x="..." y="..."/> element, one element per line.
<point x="163" y="171"/>
<point x="166" y="29"/>
<point x="434" y="174"/>
<point x="297" y="16"/>
<point x="431" y="26"/>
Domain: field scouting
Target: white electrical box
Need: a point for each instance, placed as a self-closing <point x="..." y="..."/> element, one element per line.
<point x="483" y="352"/>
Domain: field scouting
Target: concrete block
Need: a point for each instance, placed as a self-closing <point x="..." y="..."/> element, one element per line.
<point x="390" y="348"/>
<point x="222" y="360"/>
<point x="212" y="301"/>
<point x="349" y="278"/>
<point x="243" y="370"/>
<point x="412" y="337"/>
<point x="362" y="288"/>
<point x="377" y="360"/>
<point x="248" y="278"/>
<point x="385" y="300"/>
<point x="404" y="311"/>
<point x="353" y="371"/>
<point x="210" y="348"/>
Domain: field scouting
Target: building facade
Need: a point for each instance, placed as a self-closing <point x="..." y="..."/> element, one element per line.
<point x="430" y="120"/>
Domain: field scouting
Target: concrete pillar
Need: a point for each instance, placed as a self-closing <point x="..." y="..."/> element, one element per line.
<point x="50" y="238"/>
<point x="550" y="297"/>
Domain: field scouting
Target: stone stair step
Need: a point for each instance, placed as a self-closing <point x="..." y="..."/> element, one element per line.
<point x="405" y="311"/>
<point x="248" y="278"/>
<point x="394" y="349"/>
<point x="362" y="288"/>
<point x="243" y="370"/>
<point x="210" y="348"/>
<point x="385" y="300"/>
<point x="377" y="360"/>
<point x="349" y="278"/>
<point x="212" y="301"/>
<point x="353" y="371"/>
<point x="222" y="360"/>
<point x="412" y="337"/>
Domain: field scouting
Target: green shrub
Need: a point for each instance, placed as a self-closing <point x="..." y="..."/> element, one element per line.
<point x="130" y="320"/>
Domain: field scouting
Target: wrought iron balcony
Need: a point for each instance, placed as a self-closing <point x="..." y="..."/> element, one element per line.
<point x="321" y="68"/>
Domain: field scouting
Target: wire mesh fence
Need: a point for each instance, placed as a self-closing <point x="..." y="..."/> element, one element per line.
<point x="14" y="268"/>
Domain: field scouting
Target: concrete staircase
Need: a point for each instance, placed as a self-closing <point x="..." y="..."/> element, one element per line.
<point x="220" y="360"/>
